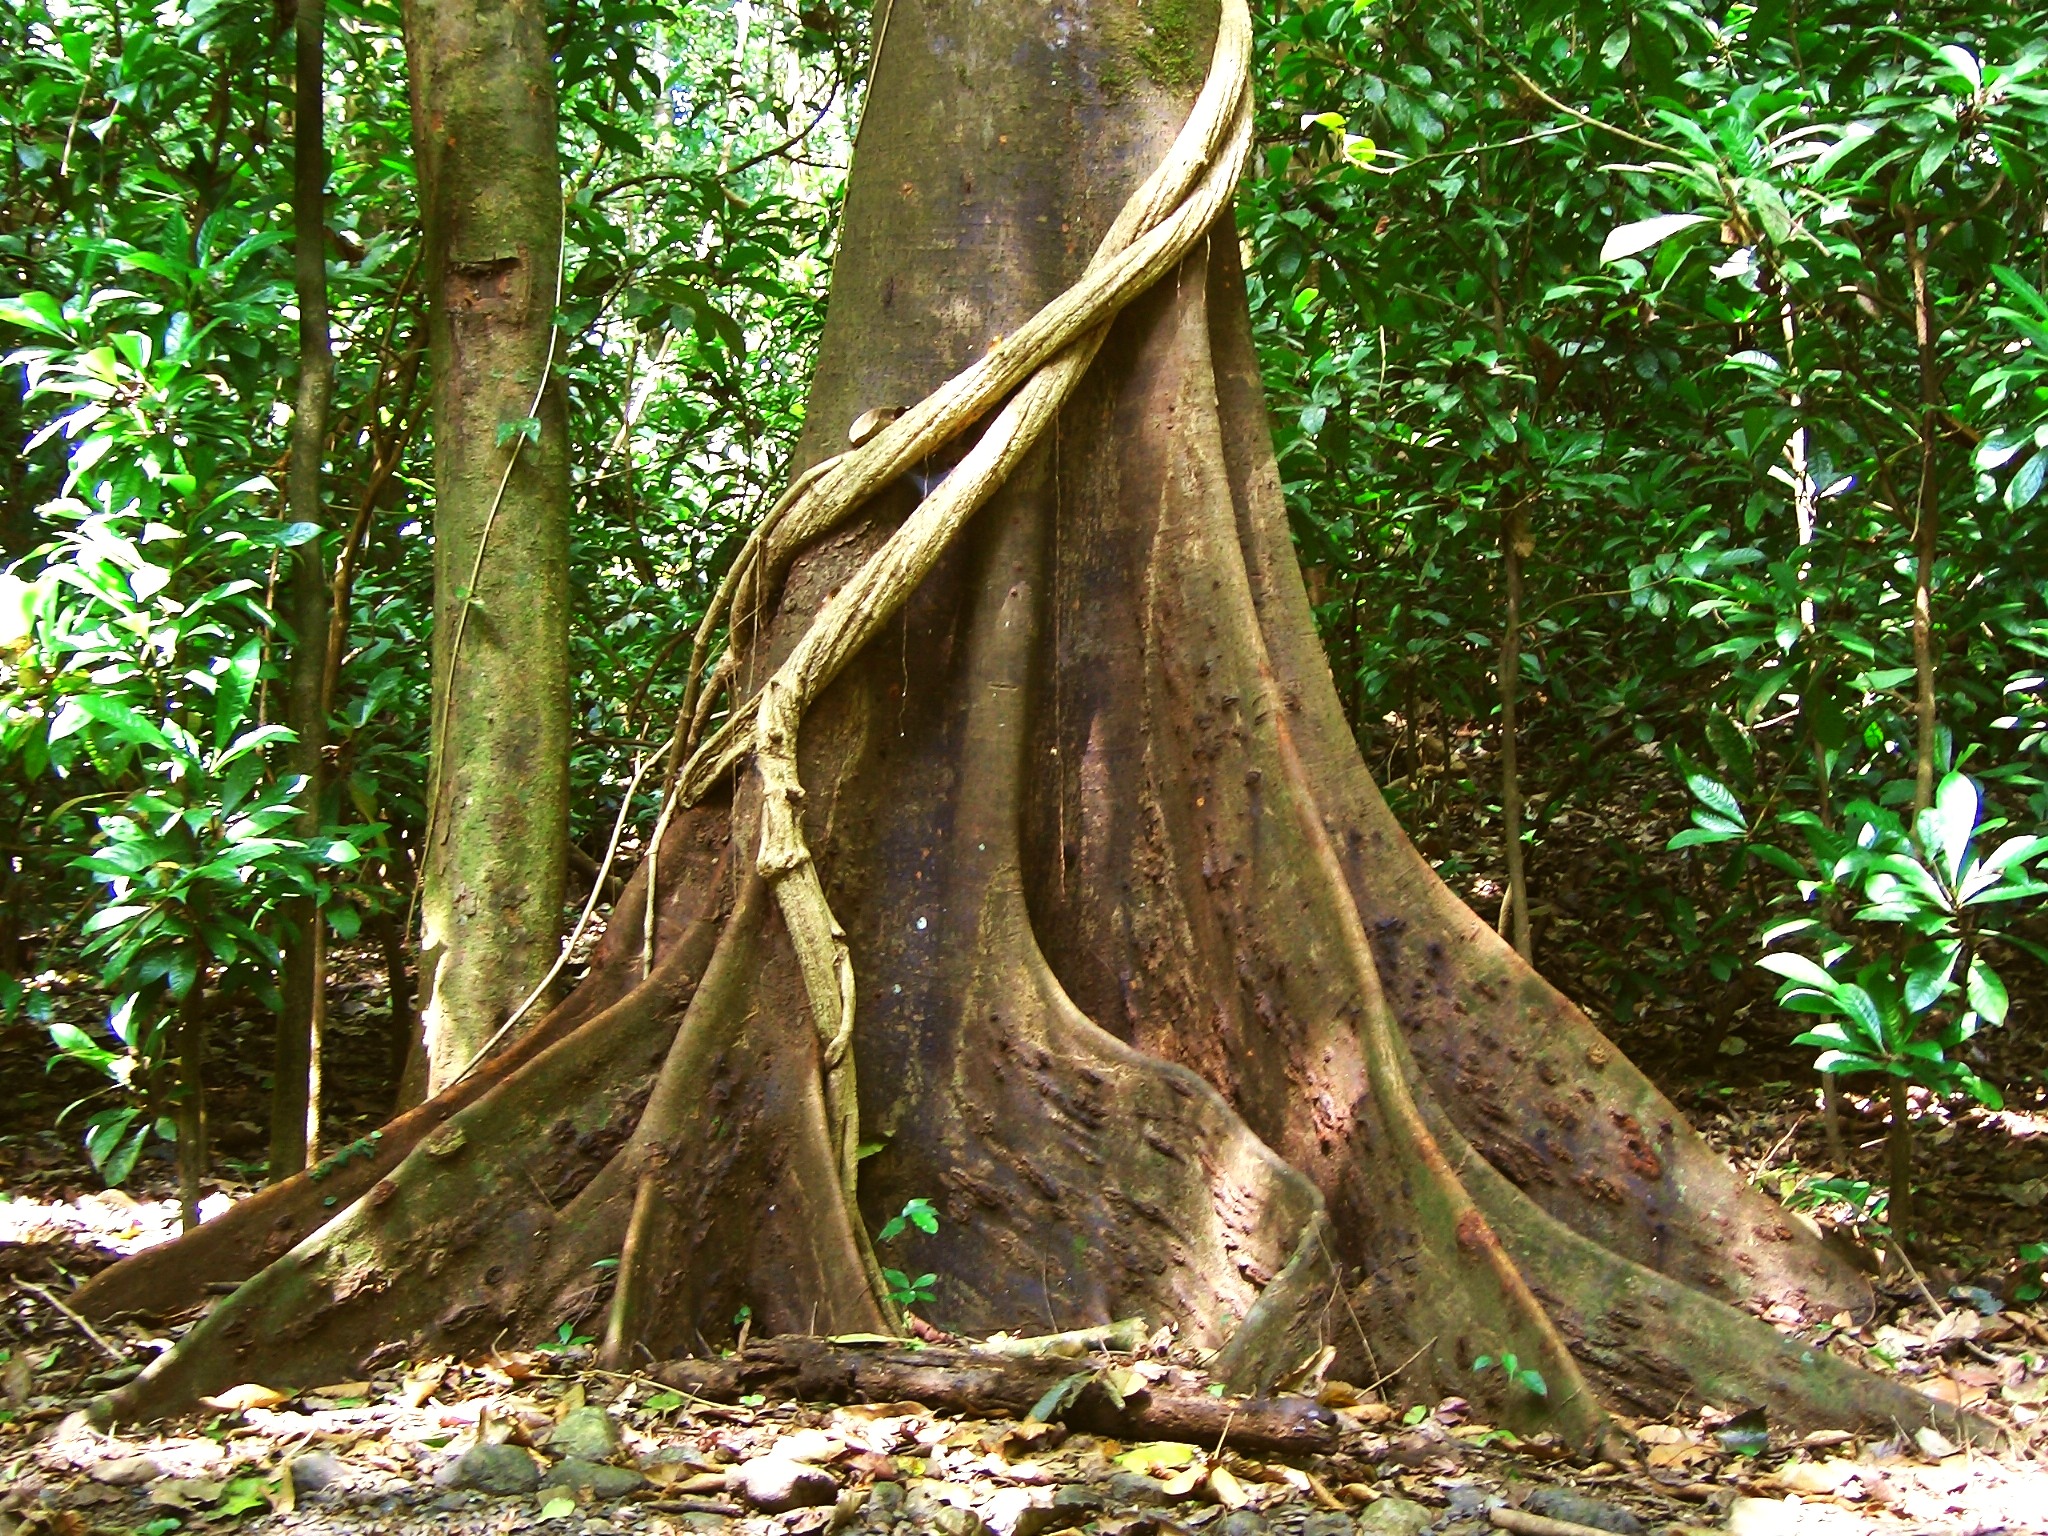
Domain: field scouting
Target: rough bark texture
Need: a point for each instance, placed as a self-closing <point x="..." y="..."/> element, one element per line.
<point x="484" y="133"/>
<point x="1156" y="1003"/>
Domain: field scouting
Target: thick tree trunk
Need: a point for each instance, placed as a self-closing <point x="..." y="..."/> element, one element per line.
<point x="1155" y="1003"/>
<point x="483" y="101"/>
<point x="302" y="1016"/>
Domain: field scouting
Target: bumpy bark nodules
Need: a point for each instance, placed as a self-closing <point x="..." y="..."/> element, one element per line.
<point x="1155" y="1002"/>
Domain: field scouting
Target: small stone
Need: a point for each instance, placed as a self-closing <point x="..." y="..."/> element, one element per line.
<point x="1244" y="1522"/>
<point x="1395" y="1516"/>
<point x="586" y="1434"/>
<point x="775" y="1483"/>
<point x="1328" y="1522"/>
<point x="1078" y="1500"/>
<point x="1577" y="1509"/>
<point x="1019" y="1512"/>
<point x="1136" y="1488"/>
<point x="603" y="1482"/>
<point x="885" y="1502"/>
<point x="1462" y="1501"/>
<point x="316" y="1470"/>
<point x="448" y="1503"/>
<point x="125" y="1472"/>
<point x="500" y="1469"/>
<point x="921" y="1506"/>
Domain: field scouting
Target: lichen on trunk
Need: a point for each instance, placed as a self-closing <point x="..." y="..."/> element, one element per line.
<point x="493" y="861"/>
<point x="1152" y="999"/>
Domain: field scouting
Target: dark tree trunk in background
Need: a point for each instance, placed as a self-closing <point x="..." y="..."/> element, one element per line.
<point x="483" y="100"/>
<point x="1156" y="1003"/>
<point x="302" y="1017"/>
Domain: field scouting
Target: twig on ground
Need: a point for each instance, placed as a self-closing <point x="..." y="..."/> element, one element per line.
<point x="118" y="1356"/>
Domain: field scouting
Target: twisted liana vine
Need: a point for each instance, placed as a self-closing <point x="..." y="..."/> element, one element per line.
<point x="1037" y="367"/>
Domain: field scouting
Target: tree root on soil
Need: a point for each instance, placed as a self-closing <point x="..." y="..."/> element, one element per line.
<point x="1158" y="1007"/>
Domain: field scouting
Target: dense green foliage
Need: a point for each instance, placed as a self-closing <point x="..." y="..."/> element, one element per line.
<point x="1652" y="283"/>
<point x="1703" y="308"/>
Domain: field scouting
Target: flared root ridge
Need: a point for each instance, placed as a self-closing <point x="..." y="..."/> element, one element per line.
<point x="1078" y="917"/>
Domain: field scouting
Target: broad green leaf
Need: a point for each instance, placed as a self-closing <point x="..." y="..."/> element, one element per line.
<point x="235" y="687"/>
<point x="125" y="722"/>
<point x="1633" y="239"/>
<point x="1986" y="992"/>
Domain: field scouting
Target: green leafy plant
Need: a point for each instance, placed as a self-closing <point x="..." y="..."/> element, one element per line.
<point x="566" y="1338"/>
<point x="1528" y="1378"/>
<point x="915" y="1213"/>
<point x="907" y="1290"/>
<point x="1903" y="1008"/>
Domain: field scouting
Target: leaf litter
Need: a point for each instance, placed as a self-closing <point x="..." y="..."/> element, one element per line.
<point x="542" y="1441"/>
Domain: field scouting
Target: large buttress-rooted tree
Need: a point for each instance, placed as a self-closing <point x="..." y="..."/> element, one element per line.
<point x="1035" y="850"/>
<point x="494" y="864"/>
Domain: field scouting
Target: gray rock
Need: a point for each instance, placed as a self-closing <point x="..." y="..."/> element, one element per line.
<point x="1563" y="1504"/>
<point x="449" y="1503"/>
<point x="603" y="1482"/>
<point x="885" y="1502"/>
<point x="921" y="1507"/>
<point x="500" y="1469"/>
<point x="125" y="1472"/>
<point x="1465" y="1502"/>
<point x="586" y="1434"/>
<point x="1244" y="1522"/>
<point x="1394" y="1516"/>
<point x="1328" y="1522"/>
<point x="775" y="1483"/>
<point x="1136" y="1488"/>
<point x="1077" y="1499"/>
<point x="317" y="1470"/>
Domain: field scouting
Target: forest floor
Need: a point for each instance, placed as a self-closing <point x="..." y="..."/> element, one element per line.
<point x="400" y="1452"/>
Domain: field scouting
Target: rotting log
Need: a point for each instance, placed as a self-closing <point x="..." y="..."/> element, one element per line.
<point x="963" y="1381"/>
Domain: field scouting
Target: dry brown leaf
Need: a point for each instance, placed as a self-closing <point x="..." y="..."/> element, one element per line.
<point x="1185" y="1481"/>
<point x="1816" y="1476"/>
<point x="240" y="1399"/>
<point x="1226" y="1490"/>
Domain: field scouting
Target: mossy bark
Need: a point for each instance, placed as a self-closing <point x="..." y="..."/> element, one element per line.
<point x="483" y="103"/>
<point x="1156" y="1004"/>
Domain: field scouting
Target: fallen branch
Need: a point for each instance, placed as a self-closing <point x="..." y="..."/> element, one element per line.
<point x="119" y="1357"/>
<point x="815" y="1370"/>
<point x="1075" y="1342"/>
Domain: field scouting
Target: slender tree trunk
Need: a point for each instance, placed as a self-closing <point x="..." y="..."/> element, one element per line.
<point x="302" y="1017"/>
<point x="188" y="1045"/>
<point x="1515" y="547"/>
<point x="1899" y="1148"/>
<point x="483" y="101"/>
<point x="1926" y="525"/>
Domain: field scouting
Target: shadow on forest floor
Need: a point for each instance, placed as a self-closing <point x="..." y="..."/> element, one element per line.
<point x="364" y="1457"/>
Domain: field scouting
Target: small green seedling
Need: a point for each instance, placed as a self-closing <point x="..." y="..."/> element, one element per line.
<point x="566" y="1337"/>
<point x="915" y="1213"/>
<point x="1518" y="1375"/>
